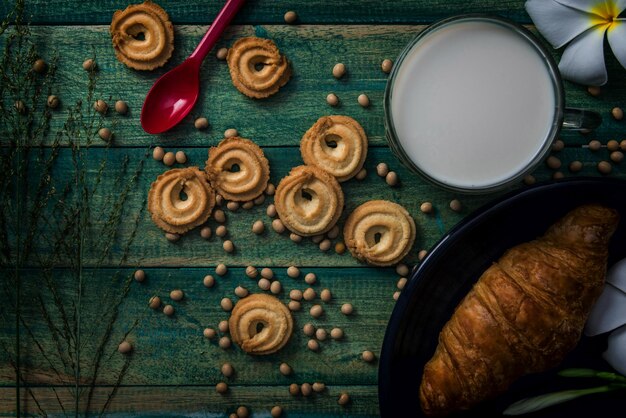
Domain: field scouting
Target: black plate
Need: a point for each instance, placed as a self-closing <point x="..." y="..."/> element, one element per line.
<point x="453" y="266"/>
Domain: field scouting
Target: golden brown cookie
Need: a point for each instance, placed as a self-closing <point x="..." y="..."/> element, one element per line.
<point x="260" y="324"/>
<point x="238" y="169"/>
<point x="336" y="144"/>
<point x="257" y="68"/>
<point x="181" y="199"/>
<point x="309" y="201"/>
<point x="142" y="35"/>
<point x="379" y="232"/>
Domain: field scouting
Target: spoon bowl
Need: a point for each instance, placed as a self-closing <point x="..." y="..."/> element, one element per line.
<point x="175" y="93"/>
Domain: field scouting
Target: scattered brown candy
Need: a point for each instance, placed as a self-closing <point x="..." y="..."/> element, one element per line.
<point x="125" y="347"/>
<point x="39" y="66"/>
<point x="172" y="237"/>
<point x="53" y="102"/>
<point x="317" y="239"/>
<point x="293" y="272"/>
<point x="617" y="113"/>
<point x="325" y="245"/>
<point x="20" y="106"/>
<point x="226" y="304"/>
<point x="368" y="356"/>
<point x="306" y="389"/>
<point x="617" y="156"/>
<point x="101" y="106"/>
<point x="290" y="17"/>
<point x="228" y="246"/>
<point x="332" y="99"/>
<point x="208" y="281"/>
<point x="308" y="329"/>
<point x="158" y="153"/>
<point x="169" y="159"/>
<point x="181" y="157"/>
<point x="201" y="123"/>
<point x="333" y="233"/>
<point x="278" y="226"/>
<point x="232" y="206"/>
<point x="316" y="311"/>
<point x="557" y="175"/>
<point x="528" y="180"/>
<point x="242" y="412"/>
<point x="259" y="200"/>
<point x="294" y="389"/>
<point x="168" y="310"/>
<point x="295" y="294"/>
<point x="271" y="211"/>
<point x="222" y="53"/>
<point x="276" y="411"/>
<point x="402" y="269"/>
<point x="382" y="169"/>
<point x="594" y="145"/>
<point x="325" y="295"/>
<point x="230" y="133"/>
<point x="612" y="145"/>
<point x="401" y="283"/>
<point x="392" y="178"/>
<point x="318" y="387"/>
<point x="339" y="70"/>
<point x="575" y="166"/>
<point x="294" y="305"/>
<point x="313" y="345"/>
<point x="386" y="65"/>
<point x="426" y="207"/>
<point x="209" y="333"/>
<point x="321" y="334"/>
<point x="205" y="232"/>
<point x="455" y="205"/>
<point x="252" y="272"/>
<point x="258" y="227"/>
<point x="270" y="190"/>
<point x="347" y="309"/>
<point x="276" y="287"/>
<point x="248" y="205"/>
<point x="121" y="107"/>
<point x="223" y="326"/>
<point x="267" y="273"/>
<point x="224" y="343"/>
<point x="221" y="269"/>
<point x="361" y="174"/>
<point x="140" y="275"/>
<point x="155" y="302"/>
<point x="604" y="167"/>
<point x="344" y="399"/>
<point x="227" y="370"/>
<point x="310" y="278"/>
<point x="336" y="333"/>
<point x="421" y="254"/>
<point x="594" y="90"/>
<point x="285" y="369"/>
<point x="221" y="388"/>
<point x="309" y="294"/>
<point x="558" y="145"/>
<point x="105" y="134"/>
<point x="264" y="284"/>
<point x="241" y="292"/>
<point x="89" y="65"/>
<point x="396" y="295"/>
<point x="340" y="248"/>
<point x="177" y="295"/>
<point x="363" y="100"/>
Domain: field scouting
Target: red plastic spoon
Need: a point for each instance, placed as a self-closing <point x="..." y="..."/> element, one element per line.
<point x="175" y="93"/>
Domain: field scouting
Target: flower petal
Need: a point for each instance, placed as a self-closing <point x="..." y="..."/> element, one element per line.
<point x="557" y="23"/>
<point x="583" y="59"/>
<point x="615" y="355"/>
<point x="602" y="8"/>
<point x="617" y="39"/>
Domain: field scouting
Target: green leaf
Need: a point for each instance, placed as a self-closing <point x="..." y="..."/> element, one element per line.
<point x="536" y="403"/>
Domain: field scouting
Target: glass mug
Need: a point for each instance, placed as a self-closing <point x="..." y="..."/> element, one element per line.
<point x="474" y="103"/>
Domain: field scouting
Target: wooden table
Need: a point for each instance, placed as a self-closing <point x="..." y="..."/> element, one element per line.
<point x="78" y="312"/>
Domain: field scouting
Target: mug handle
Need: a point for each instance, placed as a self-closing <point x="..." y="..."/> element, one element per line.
<point x="580" y="119"/>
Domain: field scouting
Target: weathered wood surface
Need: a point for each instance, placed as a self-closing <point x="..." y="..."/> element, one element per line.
<point x="282" y="119"/>
<point x="272" y="11"/>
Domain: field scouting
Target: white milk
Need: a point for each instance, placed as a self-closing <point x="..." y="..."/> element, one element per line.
<point x="472" y="104"/>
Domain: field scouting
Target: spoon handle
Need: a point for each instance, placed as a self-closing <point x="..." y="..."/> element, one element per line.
<point x="220" y="23"/>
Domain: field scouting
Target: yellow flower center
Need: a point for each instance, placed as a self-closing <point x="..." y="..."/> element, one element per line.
<point x="604" y="13"/>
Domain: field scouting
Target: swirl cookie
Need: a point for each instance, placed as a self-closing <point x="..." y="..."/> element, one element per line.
<point x="257" y="68"/>
<point x="260" y="324"/>
<point x="379" y="232"/>
<point x="309" y="201"/>
<point x="142" y="35"/>
<point x="238" y="169"/>
<point x="180" y="199"/>
<point x="336" y="144"/>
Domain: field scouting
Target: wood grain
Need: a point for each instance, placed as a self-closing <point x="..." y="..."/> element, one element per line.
<point x="282" y="119"/>
<point x="263" y="11"/>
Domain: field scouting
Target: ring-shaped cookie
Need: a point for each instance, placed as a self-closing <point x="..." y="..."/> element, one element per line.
<point x="309" y="201"/>
<point x="260" y="324"/>
<point x="336" y="144"/>
<point x="379" y="232"/>
<point x="142" y="35"/>
<point x="181" y="199"/>
<point x="238" y="169"/>
<point x="257" y="68"/>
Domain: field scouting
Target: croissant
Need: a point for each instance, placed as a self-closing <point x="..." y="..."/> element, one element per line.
<point x="525" y="313"/>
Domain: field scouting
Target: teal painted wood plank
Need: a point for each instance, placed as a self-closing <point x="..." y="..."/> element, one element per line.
<point x="282" y="119"/>
<point x="150" y="248"/>
<point x="203" y="401"/>
<point x="172" y="350"/>
<point x="272" y="11"/>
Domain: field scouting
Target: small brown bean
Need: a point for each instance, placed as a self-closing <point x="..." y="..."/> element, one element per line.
<point x="177" y="295"/>
<point x="242" y="412"/>
<point x="168" y="310"/>
<point x="363" y="100"/>
<point x="276" y="411"/>
<point x="617" y="156"/>
<point x="209" y="333"/>
<point x="361" y="174"/>
<point x="53" y="102"/>
<point x="223" y="326"/>
<point x="340" y="248"/>
<point x="553" y="162"/>
<point x="612" y="145"/>
<point x="306" y="389"/>
<point x="219" y="216"/>
<point x="347" y="309"/>
<point x="325" y="295"/>
<point x="276" y="287"/>
<point x="89" y="65"/>
<point x="368" y="356"/>
<point x="248" y="205"/>
<point x="290" y="17"/>
<point x="392" y="178"/>
<point x="558" y="145"/>
<point x="396" y="295"/>
<point x="332" y="99"/>
<point x="455" y="205"/>
<point x="325" y="245"/>
<point x="221" y="269"/>
<point x="230" y="133"/>
<point x="258" y="227"/>
<point x="226" y="304"/>
<point x="285" y="369"/>
<point x="277" y="225"/>
<point x="101" y="106"/>
<point x="295" y="294"/>
<point x="333" y="233"/>
<point x="221" y="388"/>
<point x="125" y="347"/>
<point x="201" y="123"/>
<point x="105" y="134"/>
<point x="321" y="334"/>
<point x="426" y="207"/>
<point x="205" y="232"/>
<point x="172" y="237"/>
<point x="271" y="211"/>
<point x="293" y="272"/>
<point x="622" y="145"/>
<point x="386" y="66"/>
<point x="318" y="387"/>
<point x="39" y="66"/>
<point x="317" y="239"/>
<point x="294" y="305"/>
<point x="308" y="329"/>
<point x="259" y="200"/>
<point x="121" y="107"/>
<point x="221" y="53"/>
<point x="294" y="389"/>
<point x="227" y="370"/>
<point x="528" y="180"/>
<point x="339" y="70"/>
<point x="309" y="294"/>
<point x="252" y="272"/>
<point x="228" y="246"/>
<point x="344" y="399"/>
<point x="316" y="311"/>
<point x="313" y="345"/>
<point x="241" y="292"/>
<point x="594" y="90"/>
<point x="402" y="269"/>
<point x="169" y="159"/>
<point x="232" y="206"/>
<point x="557" y="175"/>
<point x="617" y="113"/>
<point x="181" y="157"/>
<point x="155" y="302"/>
<point x="336" y="333"/>
<point x="267" y="273"/>
<point x="224" y="343"/>
<point x="264" y="284"/>
<point x="208" y="281"/>
<point x="401" y="283"/>
<point x="310" y="278"/>
<point x="382" y="169"/>
<point x="575" y="166"/>
<point x="140" y="275"/>
<point x="595" y="145"/>
<point x="422" y="254"/>
<point x="158" y="153"/>
<point x="604" y="167"/>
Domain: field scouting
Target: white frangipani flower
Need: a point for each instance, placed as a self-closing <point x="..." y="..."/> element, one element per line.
<point x="584" y="24"/>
